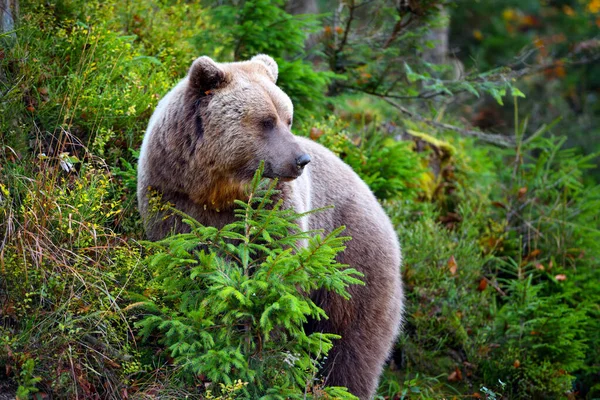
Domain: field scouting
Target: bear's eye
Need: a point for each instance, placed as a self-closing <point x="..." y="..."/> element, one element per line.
<point x="289" y="122"/>
<point x="268" y="123"/>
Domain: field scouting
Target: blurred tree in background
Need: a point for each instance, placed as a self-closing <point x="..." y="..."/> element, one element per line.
<point x="558" y="40"/>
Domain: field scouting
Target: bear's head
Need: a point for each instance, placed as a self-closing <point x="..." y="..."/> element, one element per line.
<point x="243" y="118"/>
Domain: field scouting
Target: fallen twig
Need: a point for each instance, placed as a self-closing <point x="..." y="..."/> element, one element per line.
<point x="495" y="286"/>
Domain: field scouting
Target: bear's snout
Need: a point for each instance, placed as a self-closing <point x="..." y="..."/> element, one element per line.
<point x="287" y="170"/>
<point x="284" y="158"/>
<point x="296" y="167"/>
<point x="302" y="160"/>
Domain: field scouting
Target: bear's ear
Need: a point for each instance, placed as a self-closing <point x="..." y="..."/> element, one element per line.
<point x="206" y="75"/>
<point x="269" y="63"/>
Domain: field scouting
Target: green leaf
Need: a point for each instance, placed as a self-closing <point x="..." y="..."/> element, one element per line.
<point x="497" y="94"/>
<point x="469" y="87"/>
<point x="515" y="92"/>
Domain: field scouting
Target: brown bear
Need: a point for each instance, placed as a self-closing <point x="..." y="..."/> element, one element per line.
<point x="203" y="144"/>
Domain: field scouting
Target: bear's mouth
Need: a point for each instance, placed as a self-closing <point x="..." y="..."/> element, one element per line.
<point x="284" y="177"/>
<point x="281" y="178"/>
<point x="287" y="178"/>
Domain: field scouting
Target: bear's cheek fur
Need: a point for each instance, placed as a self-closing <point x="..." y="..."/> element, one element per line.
<point x="239" y="152"/>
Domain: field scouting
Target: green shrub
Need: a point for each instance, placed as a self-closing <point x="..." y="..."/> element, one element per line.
<point x="519" y="313"/>
<point x="447" y="309"/>
<point x="390" y="167"/>
<point x="79" y="77"/>
<point x="230" y="304"/>
<point x="541" y="341"/>
<point x="547" y="324"/>
<point x="64" y="276"/>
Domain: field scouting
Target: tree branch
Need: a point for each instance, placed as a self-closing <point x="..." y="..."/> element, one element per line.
<point x="398" y="27"/>
<point x="351" y="9"/>
<point x="534" y="69"/>
<point x="499" y="140"/>
<point x="421" y="96"/>
<point x="492" y="77"/>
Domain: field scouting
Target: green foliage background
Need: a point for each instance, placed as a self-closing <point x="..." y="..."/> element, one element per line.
<point x="500" y="243"/>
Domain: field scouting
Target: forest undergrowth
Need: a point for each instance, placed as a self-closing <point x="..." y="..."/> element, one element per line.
<point x="500" y="234"/>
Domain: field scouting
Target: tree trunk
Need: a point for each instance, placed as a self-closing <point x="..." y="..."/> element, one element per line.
<point x="299" y="7"/>
<point x="439" y="36"/>
<point x="440" y="54"/>
<point x="296" y="7"/>
<point x="8" y="14"/>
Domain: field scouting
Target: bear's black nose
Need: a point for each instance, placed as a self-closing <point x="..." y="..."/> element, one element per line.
<point x="302" y="160"/>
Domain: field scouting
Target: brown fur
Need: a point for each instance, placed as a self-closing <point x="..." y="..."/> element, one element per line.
<point x="202" y="146"/>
